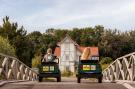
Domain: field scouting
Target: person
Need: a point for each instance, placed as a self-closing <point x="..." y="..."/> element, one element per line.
<point x="49" y="56"/>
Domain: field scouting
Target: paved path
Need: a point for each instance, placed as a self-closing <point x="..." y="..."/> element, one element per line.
<point x="67" y="83"/>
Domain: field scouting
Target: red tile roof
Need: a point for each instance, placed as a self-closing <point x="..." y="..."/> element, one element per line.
<point x="94" y="50"/>
<point x="57" y="51"/>
<point x="81" y="48"/>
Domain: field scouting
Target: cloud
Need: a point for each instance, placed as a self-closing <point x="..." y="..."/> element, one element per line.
<point x="44" y="14"/>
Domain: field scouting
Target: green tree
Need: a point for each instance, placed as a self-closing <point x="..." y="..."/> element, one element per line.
<point x="76" y="34"/>
<point x="17" y="38"/>
<point x="5" y="47"/>
<point x="60" y="34"/>
<point x="35" y="39"/>
<point x="48" y="41"/>
<point x="10" y="30"/>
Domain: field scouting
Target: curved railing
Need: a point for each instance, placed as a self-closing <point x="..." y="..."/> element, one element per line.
<point x="13" y="69"/>
<point x="122" y="68"/>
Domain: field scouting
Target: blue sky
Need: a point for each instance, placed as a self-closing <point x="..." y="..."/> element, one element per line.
<point x="42" y="14"/>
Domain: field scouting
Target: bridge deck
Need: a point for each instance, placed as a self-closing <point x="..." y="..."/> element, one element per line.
<point x="67" y="83"/>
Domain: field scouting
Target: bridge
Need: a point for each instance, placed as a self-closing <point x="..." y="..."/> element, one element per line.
<point x="16" y="75"/>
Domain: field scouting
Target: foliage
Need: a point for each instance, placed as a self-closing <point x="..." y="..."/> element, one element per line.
<point x="67" y="73"/>
<point x="35" y="40"/>
<point x="17" y="38"/>
<point x="5" y="47"/>
<point x="10" y="30"/>
<point x="60" y="34"/>
<point x="48" y="41"/>
<point x="104" y="66"/>
<point x="105" y="62"/>
<point x="24" y="50"/>
<point x="36" y="61"/>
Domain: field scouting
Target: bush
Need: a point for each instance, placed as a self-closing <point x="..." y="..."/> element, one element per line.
<point x="36" y="61"/>
<point x="6" y="48"/>
<point x="105" y="62"/>
<point x="67" y="73"/>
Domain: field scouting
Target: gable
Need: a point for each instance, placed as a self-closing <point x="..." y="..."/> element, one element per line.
<point x="67" y="39"/>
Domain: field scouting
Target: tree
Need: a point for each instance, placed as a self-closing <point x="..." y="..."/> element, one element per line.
<point x="35" y="39"/>
<point x="5" y="47"/>
<point x="60" y="34"/>
<point x="17" y="38"/>
<point x="48" y="41"/>
<point x="10" y="30"/>
<point x="76" y="34"/>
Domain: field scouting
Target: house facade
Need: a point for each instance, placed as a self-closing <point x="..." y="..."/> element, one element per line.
<point x="69" y="52"/>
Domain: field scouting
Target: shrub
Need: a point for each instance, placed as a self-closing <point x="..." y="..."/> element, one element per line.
<point x="36" y="61"/>
<point x="67" y="73"/>
<point x="5" y="47"/>
<point x="106" y="60"/>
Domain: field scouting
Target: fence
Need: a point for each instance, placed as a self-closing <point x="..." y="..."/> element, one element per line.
<point x="13" y="69"/>
<point x="122" y="68"/>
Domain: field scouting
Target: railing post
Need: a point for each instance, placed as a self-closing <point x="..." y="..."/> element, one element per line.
<point x="26" y="73"/>
<point x="21" y="71"/>
<point x="5" y="67"/>
<point x="30" y="75"/>
<point x="13" y="67"/>
<point x="117" y="71"/>
<point x="133" y="68"/>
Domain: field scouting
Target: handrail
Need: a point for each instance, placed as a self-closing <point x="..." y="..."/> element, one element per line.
<point x="13" y="68"/>
<point x="122" y="68"/>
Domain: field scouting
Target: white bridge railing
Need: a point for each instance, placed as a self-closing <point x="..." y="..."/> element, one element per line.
<point x="122" y="68"/>
<point x="13" y="69"/>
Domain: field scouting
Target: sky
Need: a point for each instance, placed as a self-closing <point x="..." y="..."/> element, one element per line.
<point x="39" y="15"/>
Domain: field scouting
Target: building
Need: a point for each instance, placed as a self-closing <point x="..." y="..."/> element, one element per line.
<point x="69" y="52"/>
